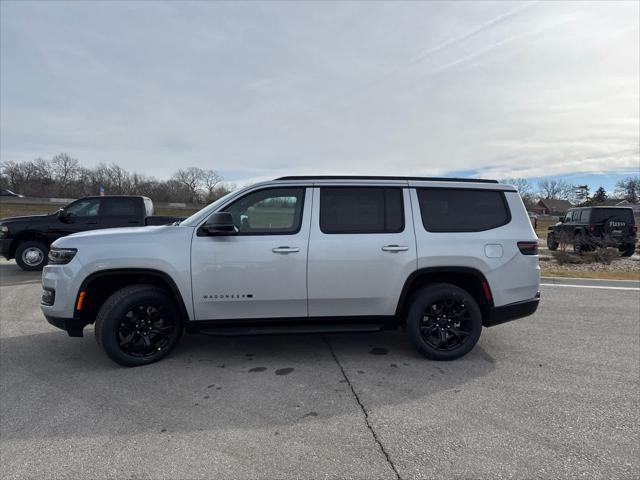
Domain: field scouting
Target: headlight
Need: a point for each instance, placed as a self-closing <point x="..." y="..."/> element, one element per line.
<point x="61" y="256"/>
<point x="4" y="230"/>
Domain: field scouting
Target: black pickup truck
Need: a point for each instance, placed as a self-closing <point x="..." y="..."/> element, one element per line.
<point x="27" y="239"/>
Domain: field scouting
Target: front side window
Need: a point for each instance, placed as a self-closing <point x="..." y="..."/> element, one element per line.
<point x="275" y="211"/>
<point x="361" y="210"/>
<point x="84" y="208"/>
<point x="459" y="210"/>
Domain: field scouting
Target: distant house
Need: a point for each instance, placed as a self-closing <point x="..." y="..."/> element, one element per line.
<point x="549" y="206"/>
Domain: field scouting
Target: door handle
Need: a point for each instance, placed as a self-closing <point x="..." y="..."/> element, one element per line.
<point x="285" y="250"/>
<point x="395" y="248"/>
<point x="92" y="223"/>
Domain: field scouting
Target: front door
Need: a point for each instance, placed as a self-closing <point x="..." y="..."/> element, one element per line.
<point x="79" y="216"/>
<point x="261" y="271"/>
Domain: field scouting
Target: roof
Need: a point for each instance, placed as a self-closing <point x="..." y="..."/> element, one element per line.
<point x="555" y="204"/>
<point x="373" y="177"/>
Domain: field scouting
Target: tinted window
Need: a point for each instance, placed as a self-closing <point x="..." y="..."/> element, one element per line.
<point x="361" y="210"/>
<point x="584" y="216"/>
<point x="456" y="210"/>
<point x="119" y="207"/>
<point x="88" y="207"/>
<point x="599" y="215"/>
<point x="272" y="211"/>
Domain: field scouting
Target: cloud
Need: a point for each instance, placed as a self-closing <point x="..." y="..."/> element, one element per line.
<point x="264" y="89"/>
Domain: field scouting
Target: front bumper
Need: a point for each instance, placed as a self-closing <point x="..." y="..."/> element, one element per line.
<point x="512" y="311"/>
<point x="73" y="326"/>
<point x="5" y="248"/>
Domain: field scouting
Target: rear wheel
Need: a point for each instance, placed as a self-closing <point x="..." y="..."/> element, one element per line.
<point x="137" y="325"/>
<point x="628" y="249"/>
<point x="32" y="255"/>
<point x="444" y="322"/>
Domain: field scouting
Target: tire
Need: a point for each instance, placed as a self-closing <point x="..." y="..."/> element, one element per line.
<point x="32" y="255"/>
<point x="439" y="337"/>
<point x="628" y="249"/>
<point x="138" y="325"/>
<point x="551" y="242"/>
<point x="578" y="246"/>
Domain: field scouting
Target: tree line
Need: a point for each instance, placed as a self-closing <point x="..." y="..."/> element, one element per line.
<point x="63" y="176"/>
<point x="559" y="189"/>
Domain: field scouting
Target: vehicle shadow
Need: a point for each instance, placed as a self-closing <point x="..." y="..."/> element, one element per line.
<point x="70" y="388"/>
<point x="11" y="274"/>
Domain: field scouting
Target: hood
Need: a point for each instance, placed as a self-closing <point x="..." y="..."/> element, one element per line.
<point x="128" y="231"/>
<point x="27" y="218"/>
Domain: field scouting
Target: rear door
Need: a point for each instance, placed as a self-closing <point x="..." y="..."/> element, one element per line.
<point x="121" y="212"/>
<point x="361" y="250"/>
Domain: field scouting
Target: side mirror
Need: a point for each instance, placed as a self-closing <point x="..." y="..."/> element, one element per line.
<point x="219" y="223"/>
<point x="561" y="219"/>
<point x="63" y="215"/>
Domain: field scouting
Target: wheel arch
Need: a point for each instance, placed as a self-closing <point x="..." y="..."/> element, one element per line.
<point x="467" y="278"/>
<point x="102" y="284"/>
<point x="27" y="236"/>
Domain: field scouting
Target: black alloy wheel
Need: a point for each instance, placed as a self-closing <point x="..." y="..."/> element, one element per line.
<point x="138" y="324"/>
<point x="145" y="330"/>
<point x="444" y="321"/>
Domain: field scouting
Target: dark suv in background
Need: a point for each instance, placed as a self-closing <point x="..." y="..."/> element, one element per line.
<point x="591" y="227"/>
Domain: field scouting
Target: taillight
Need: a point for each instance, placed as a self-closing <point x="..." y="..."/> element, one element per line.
<point x="528" y="248"/>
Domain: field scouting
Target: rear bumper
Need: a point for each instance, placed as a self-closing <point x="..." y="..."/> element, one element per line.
<point x="512" y="311"/>
<point x="73" y="326"/>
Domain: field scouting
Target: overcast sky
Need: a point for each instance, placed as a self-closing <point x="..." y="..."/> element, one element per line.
<point x="256" y="90"/>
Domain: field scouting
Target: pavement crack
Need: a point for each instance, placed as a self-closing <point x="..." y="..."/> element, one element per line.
<point x="364" y="410"/>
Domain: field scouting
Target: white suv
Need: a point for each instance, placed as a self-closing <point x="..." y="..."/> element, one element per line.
<point x="438" y="257"/>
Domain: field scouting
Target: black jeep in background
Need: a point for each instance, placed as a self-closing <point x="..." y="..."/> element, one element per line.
<point x="592" y="227"/>
<point x="27" y="239"/>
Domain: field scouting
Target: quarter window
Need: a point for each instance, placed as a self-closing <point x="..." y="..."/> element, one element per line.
<point x="458" y="210"/>
<point x="275" y="211"/>
<point x="361" y="210"/>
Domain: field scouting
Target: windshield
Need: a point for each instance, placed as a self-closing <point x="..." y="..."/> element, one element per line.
<point x="200" y="215"/>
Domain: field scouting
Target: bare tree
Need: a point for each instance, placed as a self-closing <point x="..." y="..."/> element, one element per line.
<point x="65" y="170"/>
<point x="211" y="179"/>
<point x="556" y="188"/>
<point x="193" y="179"/>
<point x="629" y="189"/>
<point x="525" y="189"/>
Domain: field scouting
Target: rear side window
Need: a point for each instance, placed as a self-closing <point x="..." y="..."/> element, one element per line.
<point x="458" y="210"/>
<point x="361" y="210"/>
<point x="119" y="207"/>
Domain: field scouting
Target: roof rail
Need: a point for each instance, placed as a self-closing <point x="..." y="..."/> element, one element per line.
<point x="365" y="177"/>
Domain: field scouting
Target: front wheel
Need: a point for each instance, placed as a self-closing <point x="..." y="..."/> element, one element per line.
<point x="137" y="325"/>
<point x="444" y="322"/>
<point x="551" y="242"/>
<point x="32" y="255"/>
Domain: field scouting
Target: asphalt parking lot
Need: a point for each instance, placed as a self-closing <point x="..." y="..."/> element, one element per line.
<point x="553" y="395"/>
